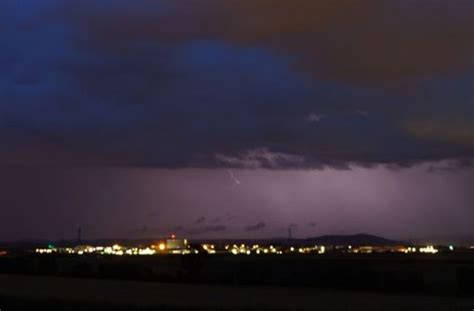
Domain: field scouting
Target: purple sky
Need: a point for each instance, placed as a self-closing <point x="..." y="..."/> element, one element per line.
<point x="425" y="201"/>
<point x="236" y="118"/>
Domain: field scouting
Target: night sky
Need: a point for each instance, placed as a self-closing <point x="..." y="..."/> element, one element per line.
<point x="236" y="118"/>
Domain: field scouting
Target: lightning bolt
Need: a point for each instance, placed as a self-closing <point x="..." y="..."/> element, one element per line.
<point x="233" y="178"/>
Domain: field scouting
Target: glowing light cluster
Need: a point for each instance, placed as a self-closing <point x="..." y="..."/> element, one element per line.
<point x="209" y="248"/>
<point x="252" y="249"/>
<point x="310" y="250"/>
<point x="45" y="251"/>
<point x="181" y="247"/>
<point x="118" y="250"/>
<point x="428" y="249"/>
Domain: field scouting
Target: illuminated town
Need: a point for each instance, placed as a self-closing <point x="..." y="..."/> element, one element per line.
<point x="176" y="246"/>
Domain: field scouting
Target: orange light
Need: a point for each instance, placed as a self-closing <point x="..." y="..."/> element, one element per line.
<point x="161" y="246"/>
<point x="173" y="236"/>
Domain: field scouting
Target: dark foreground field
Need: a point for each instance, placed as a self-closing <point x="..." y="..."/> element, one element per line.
<point x="442" y="274"/>
<point x="18" y="292"/>
<point x="333" y="282"/>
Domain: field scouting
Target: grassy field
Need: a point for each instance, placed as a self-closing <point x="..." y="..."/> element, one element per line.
<point x="19" y="292"/>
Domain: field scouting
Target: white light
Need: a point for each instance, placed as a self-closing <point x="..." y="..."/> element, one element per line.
<point x="146" y="251"/>
<point x="428" y="249"/>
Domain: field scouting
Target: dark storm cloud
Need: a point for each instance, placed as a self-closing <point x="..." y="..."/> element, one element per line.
<point x="386" y="39"/>
<point x="207" y="229"/>
<point x="255" y="84"/>
<point x="260" y="158"/>
<point x="257" y="227"/>
<point x="200" y="220"/>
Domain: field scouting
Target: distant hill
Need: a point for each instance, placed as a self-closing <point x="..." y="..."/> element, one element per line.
<point x="355" y="239"/>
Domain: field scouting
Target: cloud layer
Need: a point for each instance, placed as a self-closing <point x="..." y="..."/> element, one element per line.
<point x="238" y="83"/>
